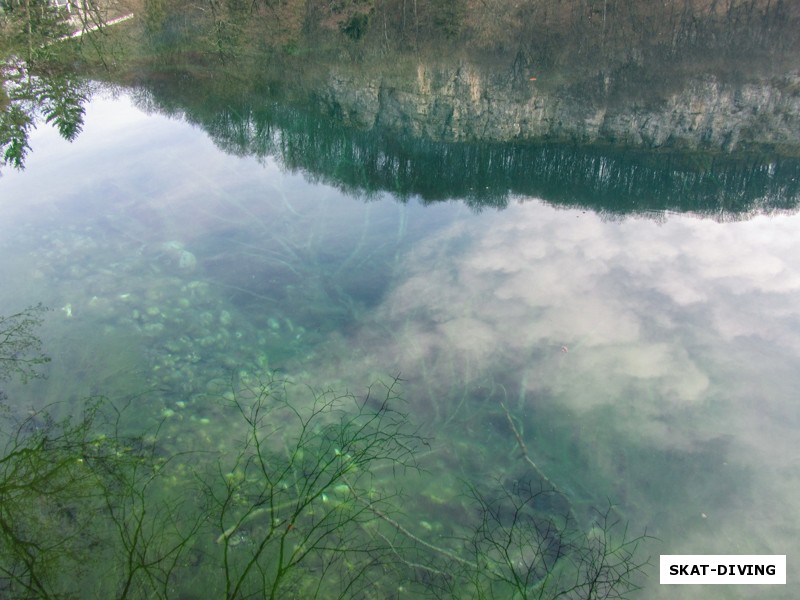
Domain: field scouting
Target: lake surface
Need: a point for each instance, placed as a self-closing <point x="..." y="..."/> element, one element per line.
<point x="650" y="360"/>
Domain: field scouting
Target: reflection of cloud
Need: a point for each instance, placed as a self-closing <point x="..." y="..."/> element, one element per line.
<point x="644" y="309"/>
<point x="517" y="286"/>
<point x="679" y="332"/>
<point x="655" y="339"/>
<point x="652" y="315"/>
<point x="470" y="336"/>
<point x="746" y="275"/>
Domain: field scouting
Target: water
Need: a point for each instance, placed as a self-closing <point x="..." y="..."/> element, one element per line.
<point x="650" y="360"/>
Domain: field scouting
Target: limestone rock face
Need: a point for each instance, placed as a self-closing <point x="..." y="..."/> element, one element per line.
<point x="715" y="116"/>
<point x="355" y="105"/>
<point x="465" y="104"/>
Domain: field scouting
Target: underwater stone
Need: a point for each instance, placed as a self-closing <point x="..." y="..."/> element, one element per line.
<point x="198" y="398"/>
<point x="217" y="385"/>
<point x="102" y="308"/>
<point x="187" y="261"/>
<point x="154" y="327"/>
<point x="342" y="490"/>
<point x="197" y="288"/>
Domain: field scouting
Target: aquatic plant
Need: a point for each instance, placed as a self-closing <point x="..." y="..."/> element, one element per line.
<point x="302" y="499"/>
<point x="524" y="547"/>
<point x="300" y="492"/>
<point x="43" y="488"/>
<point x="285" y="513"/>
<point x="20" y="349"/>
<point x="304" y="503"/>
<point x="522" y="538"/>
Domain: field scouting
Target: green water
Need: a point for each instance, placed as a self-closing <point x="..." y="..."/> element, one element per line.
<point x="648" y="359"/>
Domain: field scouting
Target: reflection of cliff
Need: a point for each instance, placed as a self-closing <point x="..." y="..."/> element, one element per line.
<point x="370" y="155"/>
<point x="463" y="104"/>
<point x="690" y="75"/>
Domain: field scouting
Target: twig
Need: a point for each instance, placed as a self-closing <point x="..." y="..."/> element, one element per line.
<point x="410" y="564"/>
<point x="526" y="456"/>
<point x="384" y="517"/>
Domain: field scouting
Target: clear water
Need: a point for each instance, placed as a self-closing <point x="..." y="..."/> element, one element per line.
<point x="649" y="360"/>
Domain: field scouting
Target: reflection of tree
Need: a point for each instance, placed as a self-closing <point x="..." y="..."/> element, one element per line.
<point x="581" y="35"/>
<point x="34" y="85"/>
<point x="366" y="162"/>
<point x="29" y="26"/>
<point x="57" y="99"/>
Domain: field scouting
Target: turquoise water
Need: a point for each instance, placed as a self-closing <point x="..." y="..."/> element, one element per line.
<point x="649" y="360"/>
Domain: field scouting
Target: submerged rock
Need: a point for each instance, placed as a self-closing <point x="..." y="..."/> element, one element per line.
<point x="173" y="254"/>
<point x="187" y="261"/>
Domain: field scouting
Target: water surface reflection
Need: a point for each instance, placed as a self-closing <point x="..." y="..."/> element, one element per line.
<point x="649" y="361"/>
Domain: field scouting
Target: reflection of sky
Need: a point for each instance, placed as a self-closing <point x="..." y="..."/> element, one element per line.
<point x="673" y="344"/>
<point x="631" y="301"/>
<point x="681" y="338"/>
<point x="107" y="123"/>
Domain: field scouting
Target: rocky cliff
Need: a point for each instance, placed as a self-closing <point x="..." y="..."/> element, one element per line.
<point x="466" y="104"/>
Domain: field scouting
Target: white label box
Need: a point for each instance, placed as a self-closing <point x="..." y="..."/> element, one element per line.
<point x="723" y="569"/>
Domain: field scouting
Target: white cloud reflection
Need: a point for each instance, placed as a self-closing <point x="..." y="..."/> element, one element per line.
<point x="650" y="313"/>
<point x="674" y="335"/>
